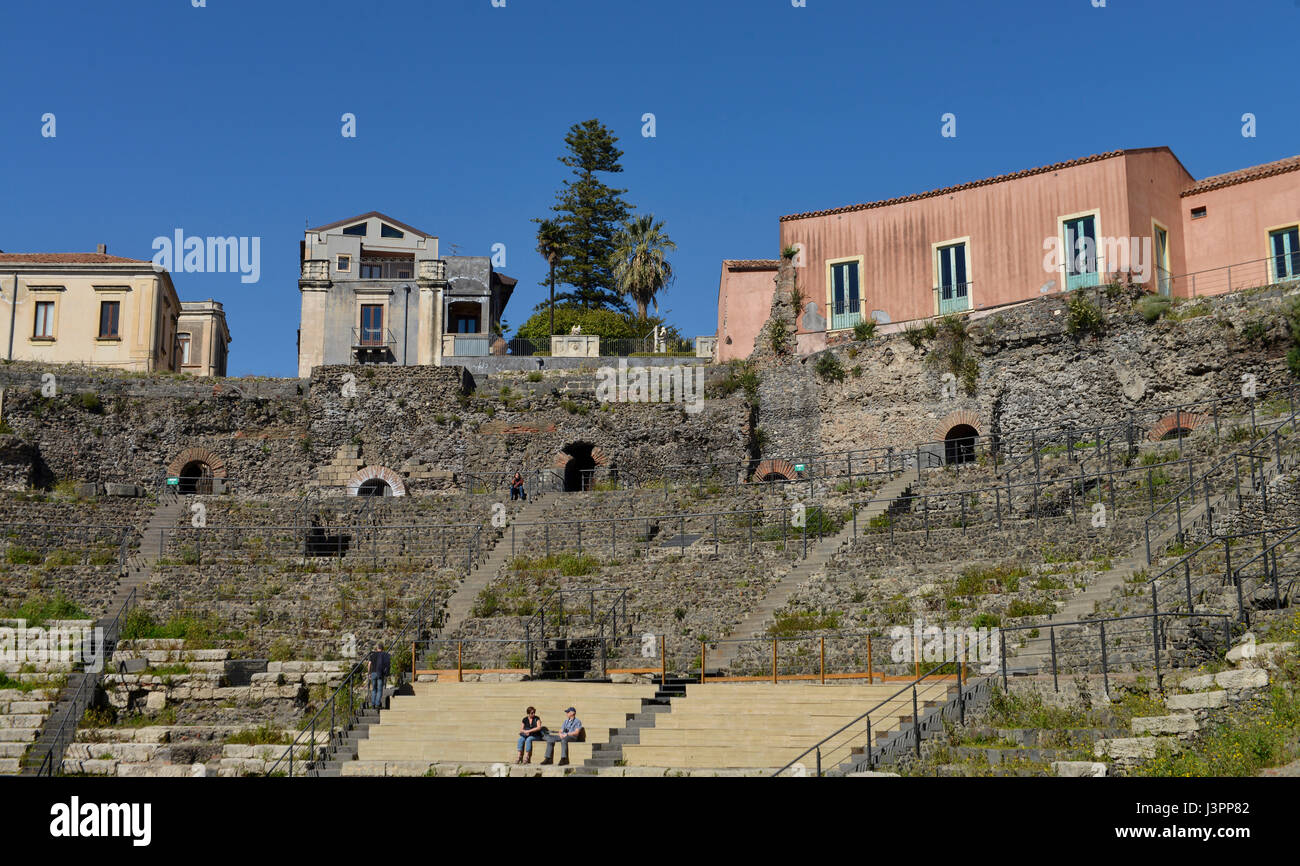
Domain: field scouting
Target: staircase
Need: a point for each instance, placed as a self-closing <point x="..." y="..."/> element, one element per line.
<point x="778" y="596"/>
<point x="610" y="753"/>
<point x="79" y="691"/>
<point x="1085" y="604"/>
<point x="461" y="603"/>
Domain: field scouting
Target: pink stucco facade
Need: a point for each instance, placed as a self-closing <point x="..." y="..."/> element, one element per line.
<point x="1138" y="205"/>
<point x="744" y="298"/>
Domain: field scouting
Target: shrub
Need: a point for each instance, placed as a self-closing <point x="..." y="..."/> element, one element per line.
<point x="1083" y="317"/>
<point x="91" y="403"/>
<point x="829" y="368"/>
<point x="864" y="330"/>
<point x="263" y="735"/>
<point x="1152" y="307"/>
<point x="779" y="337"/>
<point x="19" y="555"/>
<point x="38" y="609"/>
<point x="535" y="376"/>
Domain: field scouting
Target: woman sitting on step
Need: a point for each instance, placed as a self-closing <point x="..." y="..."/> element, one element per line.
<point x="530" y="730"/>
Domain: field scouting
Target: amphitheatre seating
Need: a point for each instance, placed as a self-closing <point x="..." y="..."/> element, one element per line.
<point x="25" y="707"/>
<point x="479" y="722"/>
<point x="727" y="725"/>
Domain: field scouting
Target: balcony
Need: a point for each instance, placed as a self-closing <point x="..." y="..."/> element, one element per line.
<point x="953" y="298"/>
<point x="432" y="269"/>
<point x="846" y="314"/>
<point x="386" y="268"/>
<point x="316" y="270"/>
<point x="372" y="344"/>
<point x="466" y="345"/>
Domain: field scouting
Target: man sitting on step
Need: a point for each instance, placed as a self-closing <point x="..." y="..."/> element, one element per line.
<point x="570" y="732"/>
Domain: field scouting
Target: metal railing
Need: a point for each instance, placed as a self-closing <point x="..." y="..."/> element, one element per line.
<point x="373" y="338"/>
<point x="953" y="298"/>
<point x="861" y="736"/>
<point x="85" y="544"/>
<point x="1228" y="471"/>
<point x="342" y="707"/>
<point x="1281" y="271"/>
<point x="76" y="705"/>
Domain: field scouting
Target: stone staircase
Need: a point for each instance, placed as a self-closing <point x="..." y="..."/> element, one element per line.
<point x="77" y="693"/>
<point x="461" y="602"/>
<point x="815" y="563"/>
<point x="610" y="753"/>
<point x="1035" y="653"/>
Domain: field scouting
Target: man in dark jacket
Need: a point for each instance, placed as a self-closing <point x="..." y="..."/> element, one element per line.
<point x="378" y="663"/>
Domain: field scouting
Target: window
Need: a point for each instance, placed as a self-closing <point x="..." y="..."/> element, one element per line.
<point x="372" y="324"/>
<point x="954" y="287"/>
<point x="108" y="319"/>
<point x="1163" y="281"/>
<point x="1198" y="212"/>
<point x="846" y="302"/>
<point x="1080" y="252"/>
<point x="390" y="232"/>
<point x="1284" y="244"/>
<point x="183" y="343"/>
<point x="44" y="328"/>
<point x="358" y="229"/>
<point x="343" y="264"/>
<point x="371" y="272"/>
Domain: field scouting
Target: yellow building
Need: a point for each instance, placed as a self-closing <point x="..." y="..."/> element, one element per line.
<point x="99" y="310"/>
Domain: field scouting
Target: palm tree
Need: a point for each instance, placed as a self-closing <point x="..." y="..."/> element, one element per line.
<point x="550" y="243"/>
<point x="641" y="269"/>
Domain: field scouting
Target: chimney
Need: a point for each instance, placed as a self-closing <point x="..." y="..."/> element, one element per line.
<point x="102" y="249"/>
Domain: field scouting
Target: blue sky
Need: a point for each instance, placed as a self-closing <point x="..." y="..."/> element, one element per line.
<point x="225" y="120"/>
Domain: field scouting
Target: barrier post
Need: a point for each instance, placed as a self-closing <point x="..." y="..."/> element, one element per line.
<point x="773" y="661"/>
<point x="823" y="659"/>
<point x="871" y="676"/>
<point x="460" y="661"/>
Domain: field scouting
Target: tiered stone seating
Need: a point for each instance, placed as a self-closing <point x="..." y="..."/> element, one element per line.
<point x="478" y="722"/>
<point x="24" y="709"/>
<point x="729" y="725"/>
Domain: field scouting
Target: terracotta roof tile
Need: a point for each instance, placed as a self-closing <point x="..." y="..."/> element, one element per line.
<point x="1255" y="172"/>
<point x="68" y="259"/>
<point x="1029" y="172"/>
<point x="751" y="264"/>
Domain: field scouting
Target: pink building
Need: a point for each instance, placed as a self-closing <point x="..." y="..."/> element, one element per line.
<point x="1011" y="238"/>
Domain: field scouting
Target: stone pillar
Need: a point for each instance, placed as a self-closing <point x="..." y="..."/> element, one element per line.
<point x="428" y="343"/>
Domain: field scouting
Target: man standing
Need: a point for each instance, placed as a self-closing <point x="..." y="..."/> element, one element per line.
<point x="570" y="732"/>
<point x="378" y="664"/>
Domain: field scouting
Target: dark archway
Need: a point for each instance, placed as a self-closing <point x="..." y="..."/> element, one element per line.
<point x="195" y="478"/>
<point x="374" y="487"/>
<point x="1176" y="433"/>
<point x="578" y="468"/>
<point x="959" y="444"/>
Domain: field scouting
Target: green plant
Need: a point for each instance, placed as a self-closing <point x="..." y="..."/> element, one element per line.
<point x="828" y="367"/>
<point x="779" y="337"/>
<point x="864" y="330"/>
<point x="263" y="735"/>
<point x="38" y="609"/>
<point x="91" y="403"/>
<point x="954" y="351"/>
<point x="1083" y="317"/>
<point x="1152" y="307"/>
<point x="535" y="376"/>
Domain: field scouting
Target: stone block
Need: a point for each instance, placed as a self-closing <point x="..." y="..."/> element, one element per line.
<point x="1132" y="748"/>
<point x="1177" y="724"/>
<point x="1078" y="768"/>
<point x="155" y="701"/>
<point x="1197" y="683"/>
<point x="1198" y="701"/>
<point x="1250" y="678"/>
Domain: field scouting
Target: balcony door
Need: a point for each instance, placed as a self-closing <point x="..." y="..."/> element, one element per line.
<point x="846" y="301"/>
<point x="1285" y="246"/>
<point x="1162" y="261"/>
<point x="954" y="287"/>
<point x="372" y="324"/>
<point x="1080" y="252"/>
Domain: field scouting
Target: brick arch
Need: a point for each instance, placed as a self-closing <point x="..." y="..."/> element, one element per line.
<point x="956" y="419"/>
<point x="383" y="473"/>
<point x="203" y="455"/>
<point x="1186" y="420"/>
<point x="598" y="457"/>
<point x="784" y="468"/>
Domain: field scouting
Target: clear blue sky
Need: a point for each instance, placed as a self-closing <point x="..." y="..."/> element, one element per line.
<point x="225" y="120"/>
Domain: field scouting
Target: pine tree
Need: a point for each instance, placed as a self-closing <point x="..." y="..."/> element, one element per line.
<point x="589" y="215"/>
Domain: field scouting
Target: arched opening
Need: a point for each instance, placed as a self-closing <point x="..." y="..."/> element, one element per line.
<point x="374" y="487"/>
<point x="195" y="478"/>
<point x="578" y="470"/>
<point x="1176" y="433"/>
<point x="959" y="444"/>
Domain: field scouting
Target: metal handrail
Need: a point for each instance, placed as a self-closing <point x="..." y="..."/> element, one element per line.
<point x="80" y="700"/>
